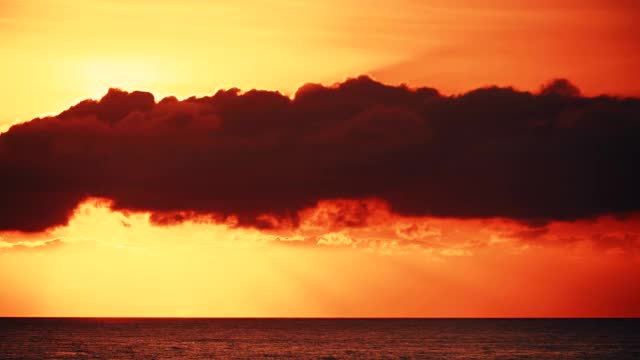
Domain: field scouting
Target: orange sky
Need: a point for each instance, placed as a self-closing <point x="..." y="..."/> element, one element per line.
<point x="106" y="263"/>
<point x="58" y="52"/>
<point x="113" y="264"/>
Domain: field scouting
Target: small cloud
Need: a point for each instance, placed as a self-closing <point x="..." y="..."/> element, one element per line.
<point x="560" y="87"/>
<point x="30" y="246"/>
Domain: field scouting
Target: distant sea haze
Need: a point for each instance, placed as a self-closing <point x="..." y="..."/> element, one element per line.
<point x="122" y="338"/>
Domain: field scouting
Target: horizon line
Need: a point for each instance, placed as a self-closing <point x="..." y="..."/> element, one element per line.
<point x="325" y="317"/>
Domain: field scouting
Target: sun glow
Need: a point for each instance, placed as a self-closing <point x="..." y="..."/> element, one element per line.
<point x="106" y="263"/>
<point x="95" y="75"/>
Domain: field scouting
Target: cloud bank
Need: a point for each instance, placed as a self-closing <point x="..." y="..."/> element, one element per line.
<point x="262" y="156"/>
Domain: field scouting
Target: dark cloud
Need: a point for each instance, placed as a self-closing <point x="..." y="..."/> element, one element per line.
<point x="492" y="152"/>
<point x="560" y="87"/>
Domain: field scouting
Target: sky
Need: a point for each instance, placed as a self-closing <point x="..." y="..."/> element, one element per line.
<point x="57" y="52"/>
<point x="407" y="158"/>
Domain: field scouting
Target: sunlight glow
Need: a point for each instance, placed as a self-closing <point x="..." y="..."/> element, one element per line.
<point x="107" y="263"/>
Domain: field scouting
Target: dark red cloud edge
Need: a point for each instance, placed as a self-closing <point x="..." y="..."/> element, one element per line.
<point x="492" y="152"/>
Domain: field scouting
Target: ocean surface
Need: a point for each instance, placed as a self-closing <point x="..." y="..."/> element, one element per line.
<point x="319" y="339"/>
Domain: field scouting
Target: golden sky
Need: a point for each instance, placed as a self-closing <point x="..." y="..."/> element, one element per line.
<point x="108" y="263"/>
<point x="56" y="52"/>
<point x="104" y="262"/>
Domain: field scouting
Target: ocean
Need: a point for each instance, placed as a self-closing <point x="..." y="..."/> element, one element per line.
<point x="123" y="338"/>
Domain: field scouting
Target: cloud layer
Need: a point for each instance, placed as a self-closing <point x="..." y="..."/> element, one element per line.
<point x="492" y="152"/>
